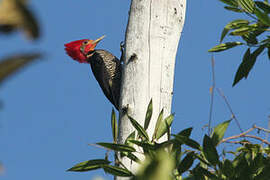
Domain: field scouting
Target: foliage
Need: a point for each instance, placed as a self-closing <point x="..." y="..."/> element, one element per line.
<point x="11" y="64"/>
<point x="14" y="14"/>
<point x="252" y="31"/>
<point x="181" y="157"/>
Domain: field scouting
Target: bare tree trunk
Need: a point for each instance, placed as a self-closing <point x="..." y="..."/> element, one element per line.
<point x="152" y="36"/>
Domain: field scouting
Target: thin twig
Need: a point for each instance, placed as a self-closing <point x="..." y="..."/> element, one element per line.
<point x="96" y="145"/>
<point x="262" y="129"/>
<point x="212" y="90"/>
<point x="258" y="138"/>
<point x="247" y="142"/>
<point x="230" y="108"/>
<point x="237" y="136"/>
<point x="238" y="142"/>
<point x="245" y="134"/>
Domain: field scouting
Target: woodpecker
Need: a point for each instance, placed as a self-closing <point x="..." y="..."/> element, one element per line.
<point x="106" y="68"/>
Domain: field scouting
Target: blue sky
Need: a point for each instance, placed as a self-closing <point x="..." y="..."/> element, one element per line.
<point x="54" y="108"/>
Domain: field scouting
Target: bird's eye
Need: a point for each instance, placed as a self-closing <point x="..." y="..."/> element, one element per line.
<point x="85" y="42"/>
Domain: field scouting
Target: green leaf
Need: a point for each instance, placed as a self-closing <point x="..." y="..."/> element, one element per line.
<point x="185" y="132"/>
<point x="250" y="38"/>
<point x="89" y="165"/>
<point x="243" y="68"/>
<point x="210" y="151"/>
<point x="230" y="2"/>
<point x="207" y="173"/>
<point x="130" y="137"/>
<point x="264" y="174"/>
<point x="253" y="58"/>
<point x="139" y="128"/>
<point x="227" y="168"/>
<point x="224" y="46"/>
<point x="117" y="147"/>
<point x="202" y="159"/>
<point x="157" y="167"/>
<point x="12" y="64"/>
<point x="148" y="115"/>
<point x="164" y="126"/>
<point x="219" y="132"/>
<point x="186" y="163"/>
<point x="263" y="6"/>
<point x="114" y="126"/>
<point x="168" y="130"/>
<point x="240" y="31"/>
<point x="241" y="166"/>
<point x="266" y="41"/>
<point x="117" y="171"/>
<point x="247" y="5"/>
<point x="144" y="145"/>
<point x="177" y="145"/>
<point x="176" y="151"/>
<point x="263" y="17"/>
<point x="196" y="174"/>
<point x="187" y="141"/>
<point x="16" y="15"/>
<point x="233" y="25"/>
<point x="132" y="157"/>
<point x="247" y="64"/>
<point x="160" y="118"/>
<point x="234" y="9"/>
<point x="166" y="144"/>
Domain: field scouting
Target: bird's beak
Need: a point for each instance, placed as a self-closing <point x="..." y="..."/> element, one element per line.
<point x="97" y="40"/>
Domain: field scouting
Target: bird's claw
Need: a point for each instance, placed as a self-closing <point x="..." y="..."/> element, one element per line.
<point x="122" y="46"/>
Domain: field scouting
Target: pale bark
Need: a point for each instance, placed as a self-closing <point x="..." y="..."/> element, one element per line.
<point x="152" y="35"/>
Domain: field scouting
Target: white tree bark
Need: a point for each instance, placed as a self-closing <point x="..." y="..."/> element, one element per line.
<point x="152" y="35"/>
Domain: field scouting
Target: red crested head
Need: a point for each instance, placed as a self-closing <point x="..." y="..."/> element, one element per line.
<point x="79" y="49"/>
<point x="73" y="50"/>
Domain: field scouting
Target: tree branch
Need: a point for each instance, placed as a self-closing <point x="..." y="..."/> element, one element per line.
<point x="246" y="135"/>
<point x="230" y="108"/>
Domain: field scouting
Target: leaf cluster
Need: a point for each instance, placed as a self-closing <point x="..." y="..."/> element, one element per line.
<point x="252" y="32"/>
<point x="180" y="157"/>
<point x="16" y="15"/>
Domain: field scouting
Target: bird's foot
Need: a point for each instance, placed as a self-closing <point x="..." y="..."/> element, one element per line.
<point x="122" y="48"/>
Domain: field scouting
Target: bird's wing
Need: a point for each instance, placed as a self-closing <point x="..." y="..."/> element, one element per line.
<point x="107" y="82"/>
